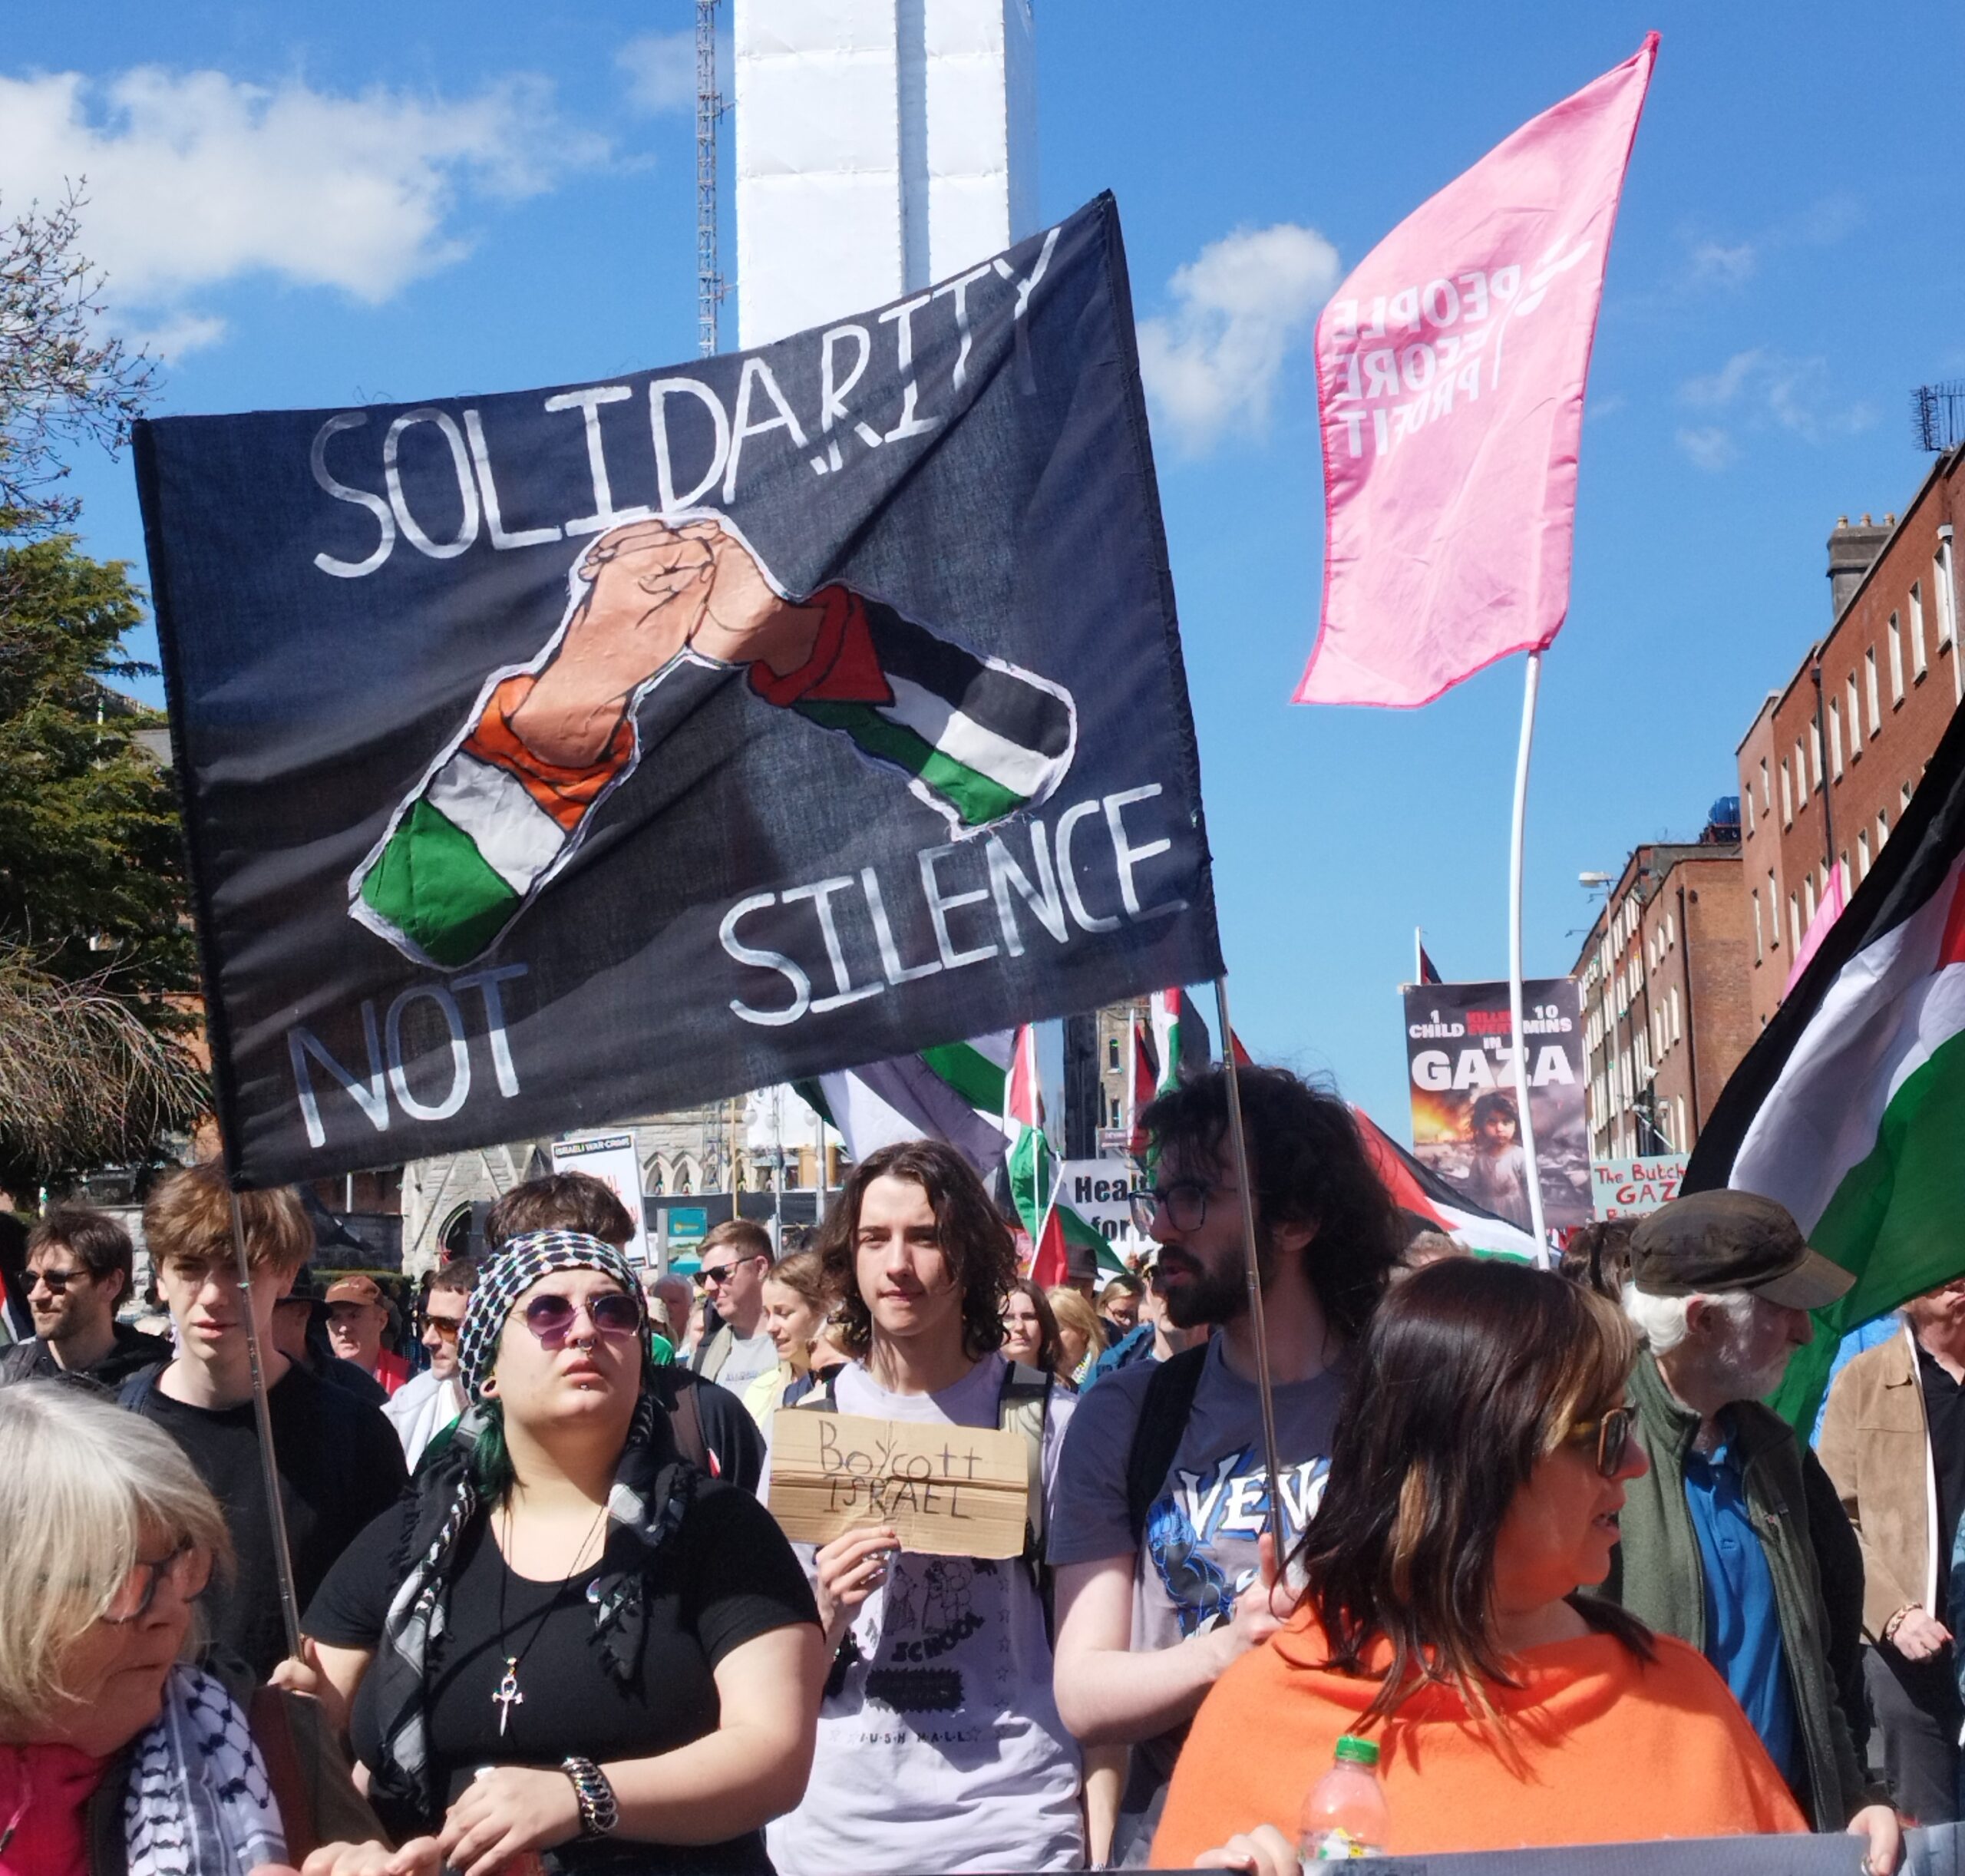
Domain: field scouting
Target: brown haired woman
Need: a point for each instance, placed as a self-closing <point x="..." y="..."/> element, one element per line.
<point x="1475" y="1480"/>
<point x="796" y="1304"/>
<point x="1030" y="1330"/>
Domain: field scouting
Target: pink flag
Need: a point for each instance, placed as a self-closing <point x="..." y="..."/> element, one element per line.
<point x="1826" y="913"/>
<point x="1450" y="374"/>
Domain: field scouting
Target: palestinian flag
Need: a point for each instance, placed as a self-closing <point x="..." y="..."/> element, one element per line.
<point x="1849" y="1108"/>
<point x="1417" y="1189"/>
<point x="1140" y="1090"/>
<point x="1181" y="1044"/>
<point x="953" y="1092"/>
<point x="1055" y="1228"/>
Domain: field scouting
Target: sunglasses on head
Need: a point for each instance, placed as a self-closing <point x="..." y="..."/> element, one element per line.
<point x="551" y="1317"/>
<point x="1611" y="1431"/>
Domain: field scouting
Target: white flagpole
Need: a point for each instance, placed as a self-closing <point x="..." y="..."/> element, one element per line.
<point x="1419" y="955"/>
<point x="1531" y="686"/>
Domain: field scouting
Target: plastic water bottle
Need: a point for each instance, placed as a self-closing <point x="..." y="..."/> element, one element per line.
<point x="1345" y="1815"/>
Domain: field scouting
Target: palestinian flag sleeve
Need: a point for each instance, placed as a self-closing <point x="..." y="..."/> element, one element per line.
<point x="1417" y="1190"/>
<point x="1849" y="1108"/>
<point x="977" y="739"/>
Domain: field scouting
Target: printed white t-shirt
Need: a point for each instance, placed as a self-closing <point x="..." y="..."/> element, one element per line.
<point x="943" y="1750"/>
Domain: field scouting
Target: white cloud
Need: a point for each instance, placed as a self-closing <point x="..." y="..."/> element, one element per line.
<point x="195" y="179"/>
<point x="1240" y="305"/>
<point x="1717" y="263"/>
<point x="1709" y="447"/>
<point x="1768" y="389"/>
<point x="661" y="71"/>
<point x="179" y="334"/>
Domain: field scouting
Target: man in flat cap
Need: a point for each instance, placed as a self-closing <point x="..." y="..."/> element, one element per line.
<point x="1734" y="1540"/>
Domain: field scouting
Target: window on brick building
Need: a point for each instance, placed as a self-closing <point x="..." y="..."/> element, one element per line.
<point x="1918" y="607"/>
<point x="1835" y="739"/>
<point x="1759" y="939"/>
<point x="1855" y="721"/>
<point x="1904" y="798"/>
<point x="1882" y="829"/>
<point x="1947" y="595"/>
<point x="1874" y="696"/>
<point x="1787" y="797"/>
<point x="1815" y="746"/>
<point x="1895" y="661"/>
<point x="1808" y="898"/>
<point x="1774" y="908"/>
<point x="1749" y="808"/>
<point x="1794" y="923"/>
<point x="1862" y="852"/>
<point x="1920" y="658"/>
<point x="1676" y="1031"/>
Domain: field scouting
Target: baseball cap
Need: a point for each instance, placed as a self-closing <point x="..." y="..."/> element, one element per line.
<point x="1732" y="1240"/>
<point x="353" y="1289"/>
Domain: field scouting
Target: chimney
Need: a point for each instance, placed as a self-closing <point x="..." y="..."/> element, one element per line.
<point x="1851" y="551"/>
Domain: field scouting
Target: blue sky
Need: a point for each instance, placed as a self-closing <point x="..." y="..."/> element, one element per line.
<point x="308" y="206"/>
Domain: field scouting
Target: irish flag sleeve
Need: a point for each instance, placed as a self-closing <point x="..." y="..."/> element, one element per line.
<point x="977" y="739"/>
<point x="467" y="851"/>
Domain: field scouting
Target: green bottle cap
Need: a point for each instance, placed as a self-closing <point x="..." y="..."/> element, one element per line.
<point x="1353" y="1751"/>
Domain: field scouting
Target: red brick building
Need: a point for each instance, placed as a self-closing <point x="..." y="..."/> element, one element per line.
<point x="1664" y="973"/>
<point x="1831" y="759"/>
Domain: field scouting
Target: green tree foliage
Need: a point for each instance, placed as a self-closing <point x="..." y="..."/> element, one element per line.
<point x="98" y="968"/>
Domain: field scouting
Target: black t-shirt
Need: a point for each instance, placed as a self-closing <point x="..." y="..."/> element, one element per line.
<point x="729" y="1576"/>
<point x="1944" y="1414"/>
<point x="340" y="1466"/>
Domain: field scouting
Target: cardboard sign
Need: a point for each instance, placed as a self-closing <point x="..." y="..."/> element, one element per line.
<point x="1630" y="1188"/>
<point x="948" y="1490"/>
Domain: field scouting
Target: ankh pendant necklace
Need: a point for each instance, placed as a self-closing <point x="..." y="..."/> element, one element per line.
<point x="507" y="1694"/>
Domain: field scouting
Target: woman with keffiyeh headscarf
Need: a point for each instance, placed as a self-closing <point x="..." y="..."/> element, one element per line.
<point x="567" y="1640"/>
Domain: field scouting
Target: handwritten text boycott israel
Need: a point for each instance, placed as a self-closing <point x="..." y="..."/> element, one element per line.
<point x="625" y="746"/>
<point x="948" y="1490"/>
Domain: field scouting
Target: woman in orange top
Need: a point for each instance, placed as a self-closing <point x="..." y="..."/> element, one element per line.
<point x="1475" y="1480"/>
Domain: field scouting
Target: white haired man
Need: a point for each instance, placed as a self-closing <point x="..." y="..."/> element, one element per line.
<point x="1733" y="1540"/>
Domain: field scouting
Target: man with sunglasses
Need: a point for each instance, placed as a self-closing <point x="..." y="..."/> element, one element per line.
<point x="1732" y="1539"/>
<point x="427" y="1403"/>
<point x="736" y="1255"/>
<point x="1164" y="1571"/>
<point x="1893" y="1439"/>
<point x="79" y="1265"/>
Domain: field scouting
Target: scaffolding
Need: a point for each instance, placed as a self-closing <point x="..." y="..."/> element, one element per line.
<point x="709" y="107"/>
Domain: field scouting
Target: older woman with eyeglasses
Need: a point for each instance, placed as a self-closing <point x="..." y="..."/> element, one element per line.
<point x="567" y="1638"/>
<point x="120" y="1756"/>
<point x="1475" y="1480"/>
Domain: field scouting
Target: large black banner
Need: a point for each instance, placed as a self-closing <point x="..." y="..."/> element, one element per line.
<point x="555" y="756"/>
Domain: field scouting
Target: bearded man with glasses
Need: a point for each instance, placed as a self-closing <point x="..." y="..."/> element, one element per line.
<point x="78" y="1271"/>
<point x="1163" y="1573"/>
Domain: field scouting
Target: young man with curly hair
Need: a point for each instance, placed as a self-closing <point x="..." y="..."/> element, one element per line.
<point x="939" y="1743"/>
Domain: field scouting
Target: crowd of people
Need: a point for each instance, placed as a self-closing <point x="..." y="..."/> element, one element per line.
<point x="1540" y="1544"/>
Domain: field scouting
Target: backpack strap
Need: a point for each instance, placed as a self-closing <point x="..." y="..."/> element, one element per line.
<point x="819" y="1398"/>
<point x="135" y="1393"/>
<point x="1163" y="1418"/>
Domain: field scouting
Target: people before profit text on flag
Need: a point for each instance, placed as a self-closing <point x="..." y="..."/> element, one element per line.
<point x="127" y="1747"/>
<point x="338" y="1460"/>
<point x="568" y="1638"/>
<point x="1165" y="1572"/>
<point x="711" y="1429"/>
<point x="1733" y="1539"/>
<point x="939" y="1744"/>
<point x="79" y="1263"/>
<point x="1893" y="1440"/>
<point x="1483" y="1445"/>
<point x="505" y="810"/>
<point x="1451" y="367"/>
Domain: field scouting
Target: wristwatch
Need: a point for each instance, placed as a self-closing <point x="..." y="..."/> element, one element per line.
<point x="599" y="1813"/>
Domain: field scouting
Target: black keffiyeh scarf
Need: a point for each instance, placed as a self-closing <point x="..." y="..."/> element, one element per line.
<point x="653" y="1491"/>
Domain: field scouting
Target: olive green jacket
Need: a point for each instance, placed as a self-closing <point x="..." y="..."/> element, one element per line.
<point x="1656" y="1572"/>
